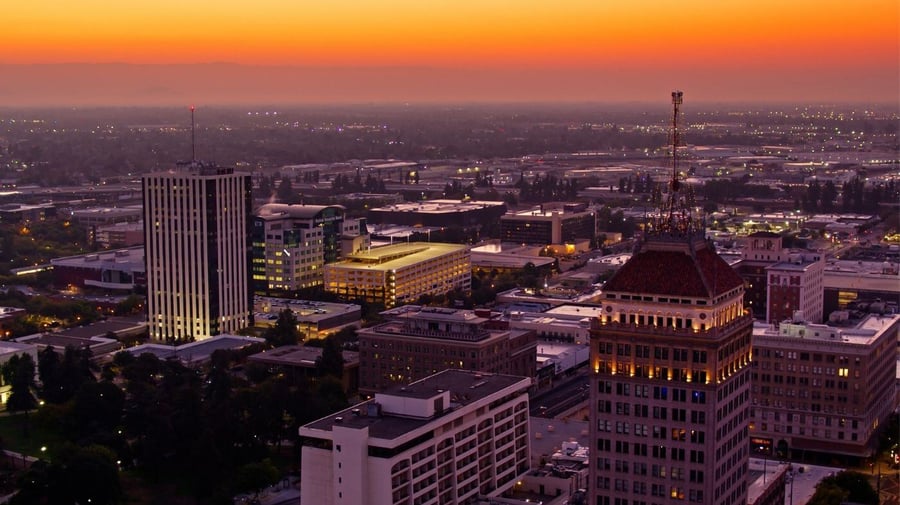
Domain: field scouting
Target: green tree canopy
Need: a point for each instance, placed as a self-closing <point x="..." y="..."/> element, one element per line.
<point x="846" y="486"/>
<point x="18" y="372"/>
<point x="331" y="362"/>
<point x="284" y="332"/>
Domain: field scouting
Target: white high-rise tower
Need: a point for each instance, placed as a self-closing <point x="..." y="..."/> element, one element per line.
<point x="196" y="221"/>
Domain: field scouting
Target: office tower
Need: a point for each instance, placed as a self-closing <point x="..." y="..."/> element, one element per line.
<point x="445" y="439"/>
<point x="823" y="389"/>
<point x="670" y="381"/>
<point x="292" y="244"/>
<point x="196" y="224"/>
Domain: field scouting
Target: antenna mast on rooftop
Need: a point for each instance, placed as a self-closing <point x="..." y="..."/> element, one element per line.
<point x="677" y="100"/>
<point x="675" y="217"/>
<point x="193" y="149"/>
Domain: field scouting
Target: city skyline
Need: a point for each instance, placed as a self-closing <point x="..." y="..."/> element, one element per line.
<point x="169" y="53"/>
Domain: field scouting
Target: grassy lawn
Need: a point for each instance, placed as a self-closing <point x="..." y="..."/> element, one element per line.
<point x="12" y="437"/>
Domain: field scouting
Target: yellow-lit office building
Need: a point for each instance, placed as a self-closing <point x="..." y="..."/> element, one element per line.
<point x="401" y="273"/>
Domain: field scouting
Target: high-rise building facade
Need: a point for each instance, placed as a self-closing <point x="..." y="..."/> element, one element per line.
<point x="446" y="439"/>
<point x="196" y="228"/>
<point x="292" y="244"/>
<point x="670" y="381"/>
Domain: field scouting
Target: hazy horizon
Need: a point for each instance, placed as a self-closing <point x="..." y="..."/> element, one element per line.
<point x="131" y="84"/>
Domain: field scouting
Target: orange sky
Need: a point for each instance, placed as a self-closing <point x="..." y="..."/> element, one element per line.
<point x="640" y="37"/>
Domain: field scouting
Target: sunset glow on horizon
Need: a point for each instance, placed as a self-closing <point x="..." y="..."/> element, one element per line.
<point x="705" y="35"/>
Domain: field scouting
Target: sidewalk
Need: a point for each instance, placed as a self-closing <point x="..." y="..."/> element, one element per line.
<point x="277" y="494"/>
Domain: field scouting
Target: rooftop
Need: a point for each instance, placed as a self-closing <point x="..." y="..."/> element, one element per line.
<point x="131" y="257"/>
<point x="196" y="352"/>
<point x="464" y="387"/>
<point x="298" y="355"/>
<point x="398" y="255"/>
<point x="577" y="311"/>
<point x="675" y="268"/>
<point x="266" y="309"/>
<point x="439" y="206"/>
<point x="865" y="332"/>
<point x="281" y="210"/>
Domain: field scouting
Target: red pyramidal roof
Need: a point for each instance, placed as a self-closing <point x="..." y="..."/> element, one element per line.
<point x="689" y="270"/>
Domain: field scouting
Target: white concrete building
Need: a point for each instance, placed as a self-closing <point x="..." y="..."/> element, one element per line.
<point x="445" y="439"/>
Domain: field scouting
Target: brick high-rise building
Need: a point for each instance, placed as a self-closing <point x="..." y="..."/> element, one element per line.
<point x="670" y="387"/>
<point x="795" y="288"/>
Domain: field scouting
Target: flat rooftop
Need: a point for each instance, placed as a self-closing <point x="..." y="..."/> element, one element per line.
<point x="396" y="256"/>
<point x="102" y="328"/>
<point x="129" y="257"/>
<point x="439" y="206"/>
<point x="792" y="266"/>
<point x="761" y="475"/>
<point x="131" y="210"/>
<point x="506" y="260"/>
<point x="465" y="387"/>
<point x="866" y="331"/>
<point x="10" y="347"/>
<point x="266" y="309"/>
<point x="575" y="311"/>
<point x="298" y="356"/>
<point x="60" y="342"/>
<point x="196" y="352"/>
<point x="546" y="212"/>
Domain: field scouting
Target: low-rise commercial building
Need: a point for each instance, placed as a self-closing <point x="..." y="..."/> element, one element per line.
<point x="116" y="270"/>
<point x="401" y="273"/>
<point x="416" y="342"/>
<point x="550" y="225"/>
<point x="315" y="320"/>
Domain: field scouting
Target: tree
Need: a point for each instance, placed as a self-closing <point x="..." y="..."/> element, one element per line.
<point x="76" y="475"/>
<point x="134" y="304"/>
<point x="18" y="372"/>
<point x="96" y="408"/>
<point x="286" y="191"/>
<point x="254" y="477"/>
<point x="284" y="332"/>
<point x="846" y="486"/>
<point x="49" y="373"/>
<point x="331" y="362"/>
<point x="829" y="193"/>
